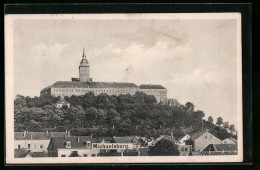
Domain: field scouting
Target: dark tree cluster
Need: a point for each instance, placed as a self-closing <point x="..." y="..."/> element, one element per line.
<point x="105" y="115"/>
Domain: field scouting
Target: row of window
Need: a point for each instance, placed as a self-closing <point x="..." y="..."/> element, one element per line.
<point x="87" y="90"/>
<point x="29" y="146"/>
<point x="206" y="137"/>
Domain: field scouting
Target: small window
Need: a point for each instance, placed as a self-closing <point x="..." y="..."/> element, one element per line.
<point x="88" y="143"/>
<point x="93" y="155"/>
<point x="63" y="155"/>
<point x="34" y="146"/>
<point x="85" y="155"/>
<point x="19" y="146"/>
<point x="41" y="146"/>
<point x="29" y="145"/>
<point x="68" y="144"/>
<point x="186" y="149"/>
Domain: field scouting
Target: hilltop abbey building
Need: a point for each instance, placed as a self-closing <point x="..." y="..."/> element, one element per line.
<point x="85" y="84"/>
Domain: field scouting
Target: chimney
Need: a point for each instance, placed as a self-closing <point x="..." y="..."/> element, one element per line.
<point x="31" y="136"/>
<point x="78" y="139"/>
<point x="24" y="133"/>
<point x="171" y="134"/>
<point x="47" y="132"/>
<point x="91" y="135"/>
<point x="68" y="133"/>
<point x="114" y="137"/>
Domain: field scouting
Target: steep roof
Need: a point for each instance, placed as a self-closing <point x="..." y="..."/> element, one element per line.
<point x="84" y="61"/>
<point x="76" y="84"/>
<point x="37" y="135"/>
<point x="197" y="135"/>
<point x="151" y="86"/>
<point x="59" y="142"/>
<point x="225" y="147"/>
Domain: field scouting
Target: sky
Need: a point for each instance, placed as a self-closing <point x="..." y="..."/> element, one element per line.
<point x="196" y="60"/>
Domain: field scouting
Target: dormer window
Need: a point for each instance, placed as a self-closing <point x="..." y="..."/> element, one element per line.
<point x="68" y="144"/>
<point x="88" y="144"/>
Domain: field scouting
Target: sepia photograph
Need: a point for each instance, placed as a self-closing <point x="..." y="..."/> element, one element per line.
<point x="123" y="88"/>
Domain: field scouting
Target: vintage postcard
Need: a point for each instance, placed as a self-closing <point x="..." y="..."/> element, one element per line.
<point x="123" y="88"/>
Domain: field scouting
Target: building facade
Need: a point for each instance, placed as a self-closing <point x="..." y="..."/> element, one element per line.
<point x="73" y="146"/>
<point x="201" y="140"/>
<point x="84" y="84"/>
<point x="34" y="141"/>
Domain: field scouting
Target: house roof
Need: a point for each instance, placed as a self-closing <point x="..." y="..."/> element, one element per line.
<point x="225" y="147"/>
<point x="170" y="139"/>
<point x="62" y="101"/>
<point x="60" y="142"/>
<point x="233" y="139"/>
<point x="181" y="138"/>
<point x="20" y="153"/>
<point x="105" y="139"/>
<point x="76" y="84"/>
<point x="37" y="135"/>
<point x="197" y="135"/>
<point x="124" y="139"/>
<point x="151" y="86"/>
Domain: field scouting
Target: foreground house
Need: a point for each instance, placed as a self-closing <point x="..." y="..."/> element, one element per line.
<point x="34" y="141"/>
<point x="220" y="149"/>
<point x="73" y="146"/>
<point x="229" y="141"/>
<point x="183" y="139"/>
<point x="201" y="140"/>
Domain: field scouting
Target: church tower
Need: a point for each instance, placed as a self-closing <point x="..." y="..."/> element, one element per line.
<point x="84" y="69"/>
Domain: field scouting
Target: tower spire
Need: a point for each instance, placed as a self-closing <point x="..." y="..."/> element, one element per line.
<point x="84" y="55"/>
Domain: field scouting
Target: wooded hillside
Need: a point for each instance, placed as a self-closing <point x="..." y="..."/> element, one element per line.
<point x="105" y="115"/>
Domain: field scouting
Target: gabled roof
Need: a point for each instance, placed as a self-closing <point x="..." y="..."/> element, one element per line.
<point x="37" y="135"/>
<point x="225" y="147"/>
<point x="62" y="101"/>
<point x="60" y="142"/>
<point x="151" y="86"/>
<point x="197" y="135"/>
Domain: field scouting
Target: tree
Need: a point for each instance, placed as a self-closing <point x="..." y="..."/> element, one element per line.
<point x="189" y="107"/>
<point x="210" y="119"/>
<point x="232" y="128"/>
<point x="219" y="121"/>
<point x="226" y="125"/>
<point x="74" y="154"/>
<point x="164" y="148"/>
